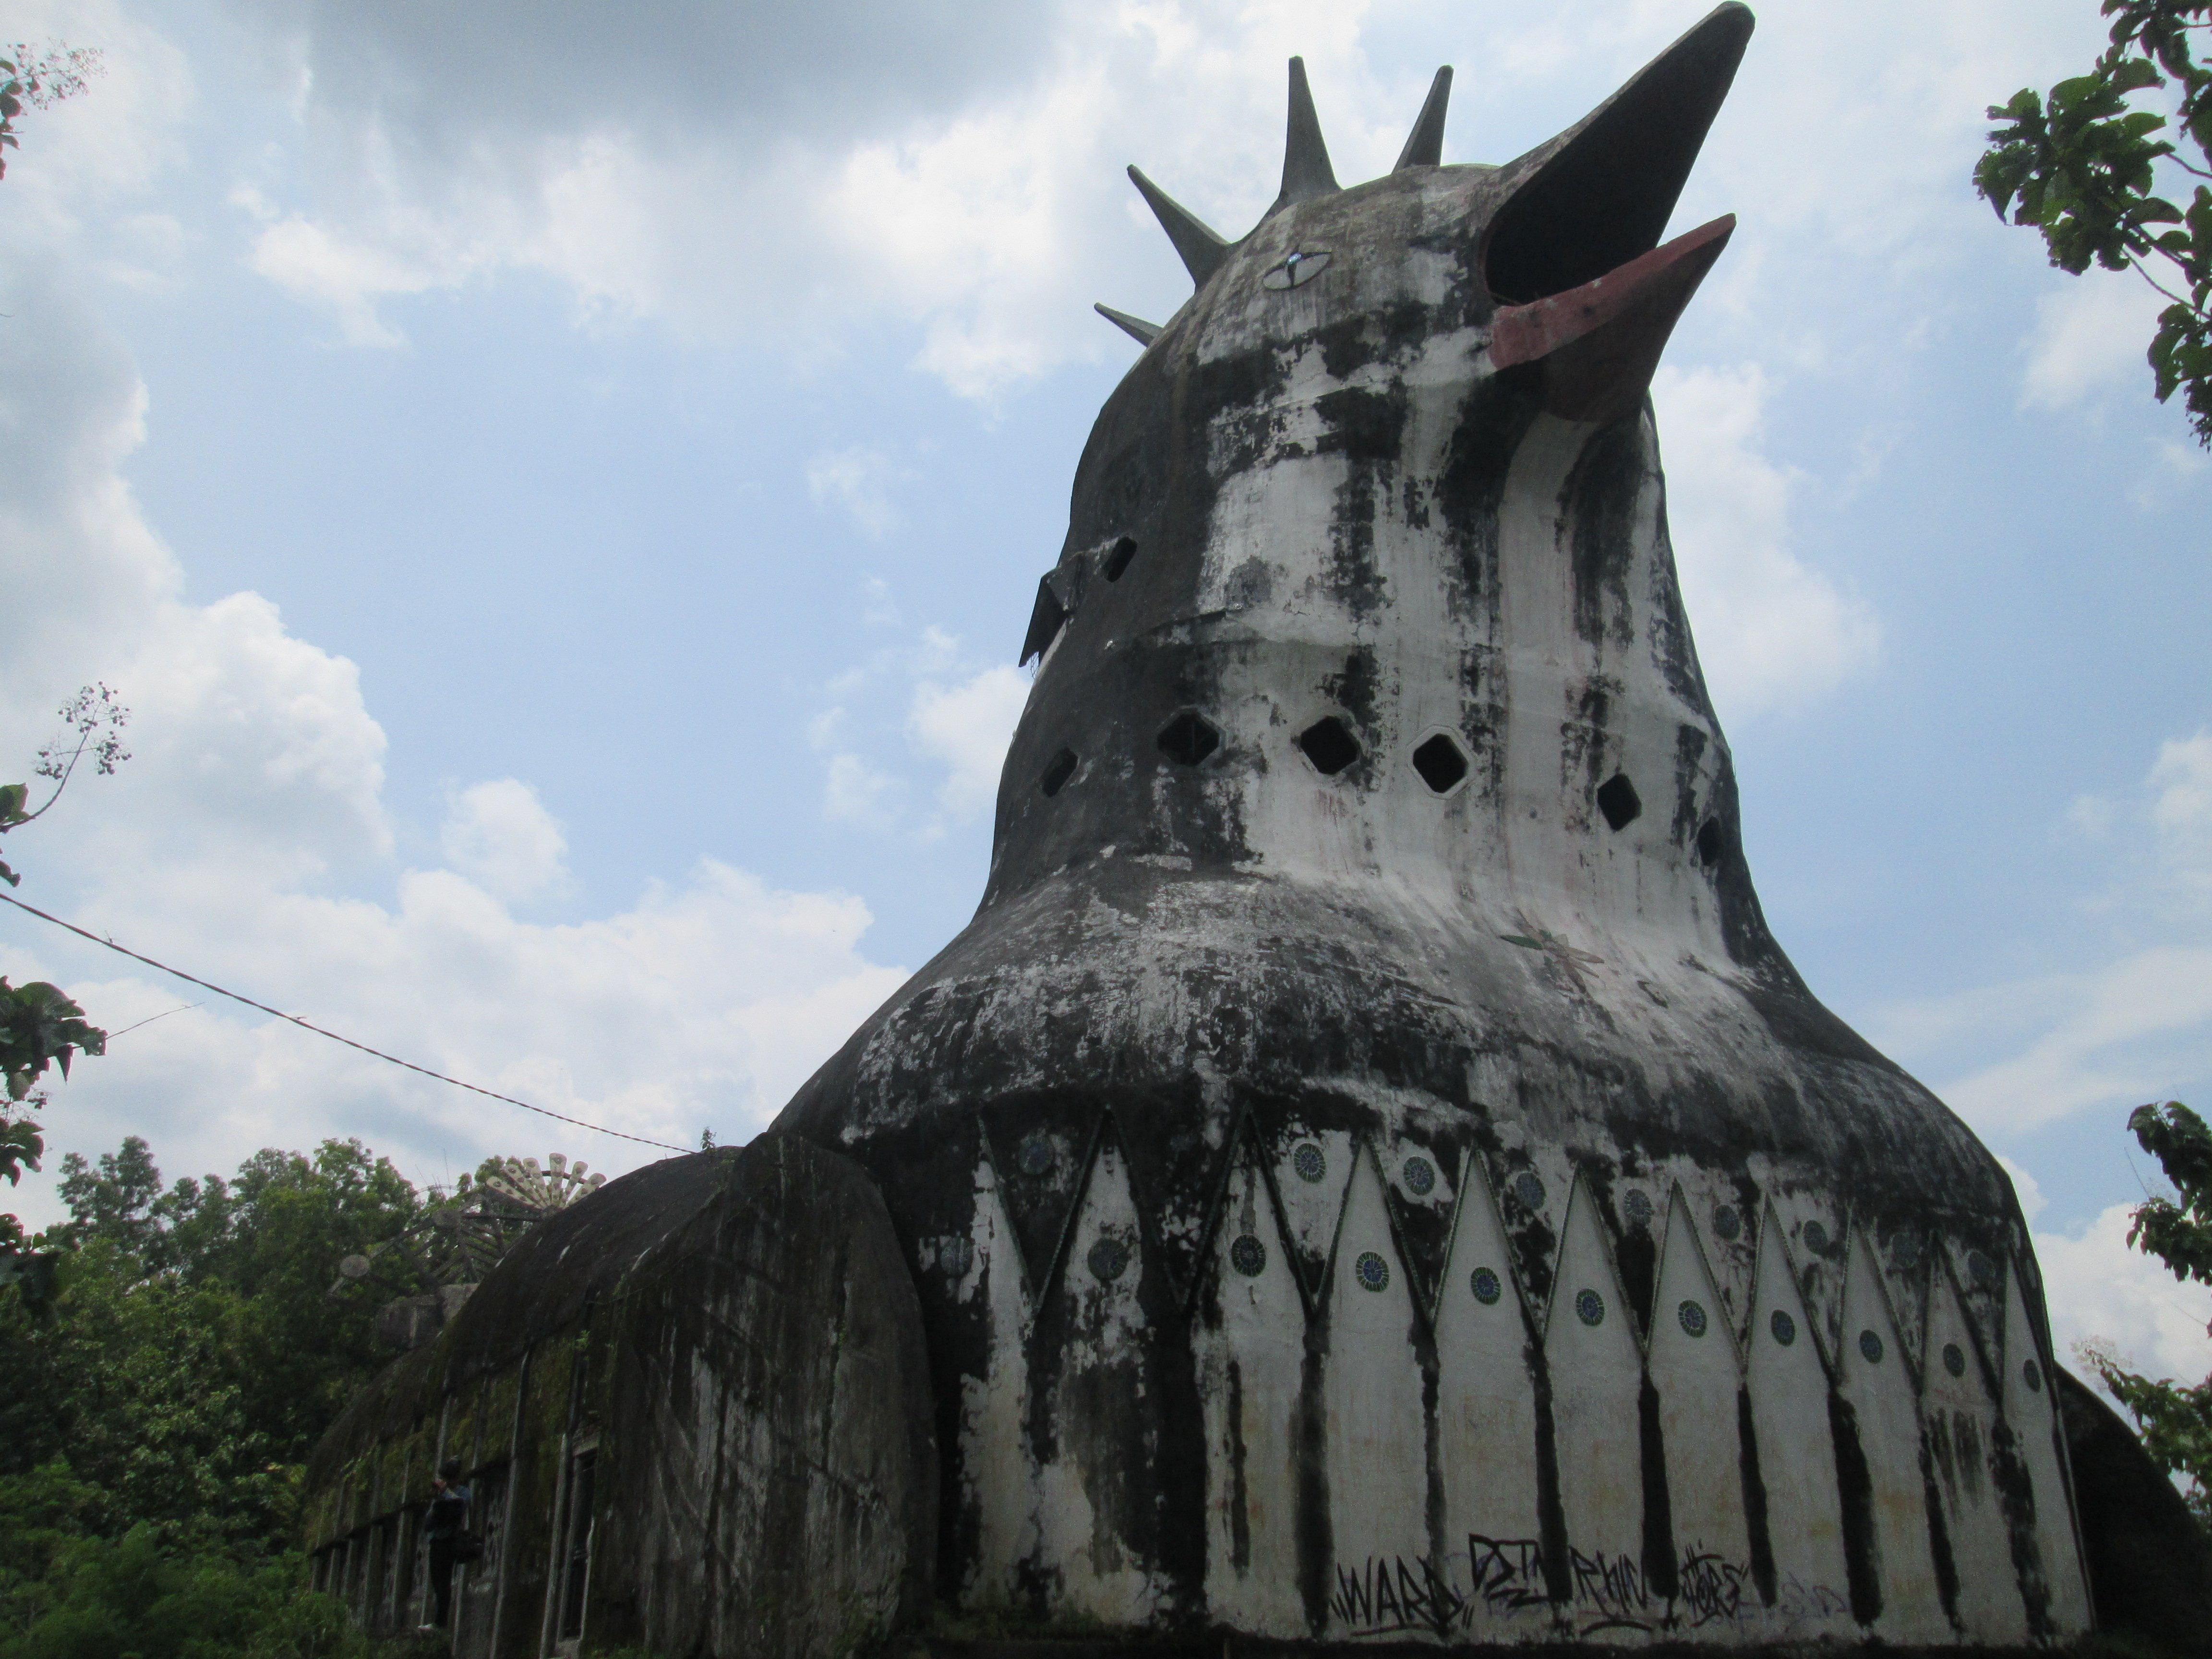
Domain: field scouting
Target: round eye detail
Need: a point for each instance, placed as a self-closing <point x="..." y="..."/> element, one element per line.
<point x="1301" y="268"/>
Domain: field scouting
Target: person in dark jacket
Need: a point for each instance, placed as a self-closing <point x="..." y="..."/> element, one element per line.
<point x="442" y="1525"/>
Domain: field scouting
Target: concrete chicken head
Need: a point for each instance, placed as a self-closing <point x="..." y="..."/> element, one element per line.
<point x="1367" y="569"/>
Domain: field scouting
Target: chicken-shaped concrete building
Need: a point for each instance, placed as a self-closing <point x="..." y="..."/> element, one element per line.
<point x="1366" y="1174"/>
<point x="1368" y="1168"/>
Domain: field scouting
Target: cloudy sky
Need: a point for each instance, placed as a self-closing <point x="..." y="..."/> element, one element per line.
<point x="561" y="488"/>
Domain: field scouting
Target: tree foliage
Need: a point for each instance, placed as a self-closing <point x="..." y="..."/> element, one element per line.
<point x="39" y="1026"/>
<point x="41" y="80"/>
<point x="2083" y="163"/>
<point x="158" y="1411"/>
<point x="2175" y="1418"/>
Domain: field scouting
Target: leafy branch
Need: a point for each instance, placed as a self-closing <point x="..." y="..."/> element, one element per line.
<point x="2082" y="164"/>
<point x="2175" y="1418"/>
<point x="41" y="80"/>
<point x="93" y="723"/>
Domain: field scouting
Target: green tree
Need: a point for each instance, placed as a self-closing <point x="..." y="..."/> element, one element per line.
<point x="2175" y="1418"/>
<point x="2084" y="164"/>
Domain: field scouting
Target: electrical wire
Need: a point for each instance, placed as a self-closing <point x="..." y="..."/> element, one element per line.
<point x="305" y="1025"/>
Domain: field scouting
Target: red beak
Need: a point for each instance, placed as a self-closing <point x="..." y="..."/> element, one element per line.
<point x="1599" y="344"/>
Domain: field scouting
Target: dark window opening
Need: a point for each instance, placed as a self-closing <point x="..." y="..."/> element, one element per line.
<point x="1618" y="799"/>
<point x="576" y="1545"/>
<point x="1118" y="557"/>
<point x="1441" y="763"/>
<point x="487" y="1518"/>
<point x="1058" y="770"/>
<point x="1047" y="618"/>
<point x="1329" y="745"/>
<point x="1709" y="842"/>
<point x="1188" y="739"/>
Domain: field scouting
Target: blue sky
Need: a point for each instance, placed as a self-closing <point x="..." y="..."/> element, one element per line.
<point x="562" y="489"/>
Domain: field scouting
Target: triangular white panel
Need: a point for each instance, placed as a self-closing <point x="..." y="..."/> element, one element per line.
<point x="1095" y="1396"/>
<point x="1727" y="1226"/>
<point x="1247" y="1342"/>
<point x="1812" y="1224"/>
<point x="2031" y="1412"/>
<point x="998" y="1479"/>
<point x="1312" y="1169"/>
<point x="1797" y="1455"/>
<point x="1376" y="1437"/>
<point x="1958" y="1417"/>
<point x="1487" y="1428"/>
<point x="1533" y="1190"/>
<point x="1875" y="1379"/>
<point x="1907" y="1253"/>
<point x="1692" y="1359"/>
<point x="1596" y="1375"/>
<point x="1419" y="1174"/>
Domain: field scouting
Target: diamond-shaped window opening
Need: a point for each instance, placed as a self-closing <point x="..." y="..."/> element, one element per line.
<point x="1188" y="739"/>
<point x="1709" y="842"/>
<point x="1118" y="557"/>
<point x="1441" y="762"/>
<point x="1058" y="770"/>
<point x="1618" y="799"/>
<point x="1329" y="744"/>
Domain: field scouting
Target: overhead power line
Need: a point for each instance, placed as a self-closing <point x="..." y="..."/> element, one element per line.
<point x="306" y="1025"/>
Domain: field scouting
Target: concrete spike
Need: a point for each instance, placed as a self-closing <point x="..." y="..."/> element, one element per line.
<point x="1201" y="248"/>
<point x="1424" y="145"/>
<point x="1136" y="328"/>
<point x="1306" y="171"/>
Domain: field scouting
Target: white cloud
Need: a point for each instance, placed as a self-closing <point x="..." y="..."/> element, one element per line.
<point x="500" y="836"/>
<point x="2090" y="336"/>
<point x="967" y="727"/>
<point x="2135" y="1027"/>
<point x="1772" y="633"/>
<point x="247" y="841"/>
<point x="854" y="792"/>
<point x="2100" y="1290"/>
<point x="859" y="479"/>
<point x="2182" y="814"/>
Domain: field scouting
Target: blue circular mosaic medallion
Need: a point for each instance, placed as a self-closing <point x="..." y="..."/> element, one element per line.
<point x="1306" y="1158"/>
<point x="1249" y="1256"/>
<point x="1693" y="1317"/>
<point x="1035" y="1156"/>
<point x="1981" y="1269"/>
<point x="1589" y="1307"/>
<point x="1783" y="1327"/>
<point x="1816" y="1238"/>
<point x="1636" y="1205"/>
<point x="1870" y="1345"/>
<point x="1108" y="1259"/>
<point x="1372" y="1271"/>
<point x="1529" y="1190"/>
<point x="2030" y="1375"/>
<point x="1420" y="1177"/>
<point x="1954" y="1359"/>
<point x="1727" y="1223"/>
<point x="1487" y="1287"/>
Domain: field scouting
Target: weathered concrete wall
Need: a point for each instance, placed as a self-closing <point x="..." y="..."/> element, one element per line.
<point x="695" y="1412"/>
<point x="1368" y="898"/>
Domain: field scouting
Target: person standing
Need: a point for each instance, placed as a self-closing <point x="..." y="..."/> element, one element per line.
<point x="443" y="1524"/>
